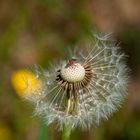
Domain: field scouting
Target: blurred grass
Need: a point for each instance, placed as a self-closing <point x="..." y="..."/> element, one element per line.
<point x="38" y="32"/>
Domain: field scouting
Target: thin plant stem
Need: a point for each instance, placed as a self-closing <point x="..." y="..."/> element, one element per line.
<point x="66" y="132"/>
<point x="43" y="132"/>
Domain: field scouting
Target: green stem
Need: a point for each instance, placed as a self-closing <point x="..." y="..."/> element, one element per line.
<point x="66" y="132"/>
<point x="43" y="132"/>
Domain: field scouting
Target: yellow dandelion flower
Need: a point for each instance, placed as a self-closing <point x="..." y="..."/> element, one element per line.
<point x="26" y="83"/>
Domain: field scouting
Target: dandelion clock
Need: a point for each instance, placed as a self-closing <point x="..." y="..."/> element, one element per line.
<point x="85" y="89"/>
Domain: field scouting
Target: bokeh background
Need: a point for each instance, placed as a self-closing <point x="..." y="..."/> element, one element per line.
<point x="38" y="32"/>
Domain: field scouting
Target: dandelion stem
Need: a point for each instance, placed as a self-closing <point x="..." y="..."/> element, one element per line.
<point x="66" y="132"/>
<point x="43" y="132"/>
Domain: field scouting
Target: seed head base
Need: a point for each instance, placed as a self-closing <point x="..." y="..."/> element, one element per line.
<point x="74" y="86"/>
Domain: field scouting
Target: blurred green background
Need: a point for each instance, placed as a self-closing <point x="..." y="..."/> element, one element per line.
<point x="38" y="32"/>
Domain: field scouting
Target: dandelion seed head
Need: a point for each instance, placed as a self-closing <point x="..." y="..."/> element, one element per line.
<point x="86" y="90"/>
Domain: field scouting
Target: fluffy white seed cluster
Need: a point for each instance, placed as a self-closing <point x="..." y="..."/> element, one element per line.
<point x="98" y="100"/>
